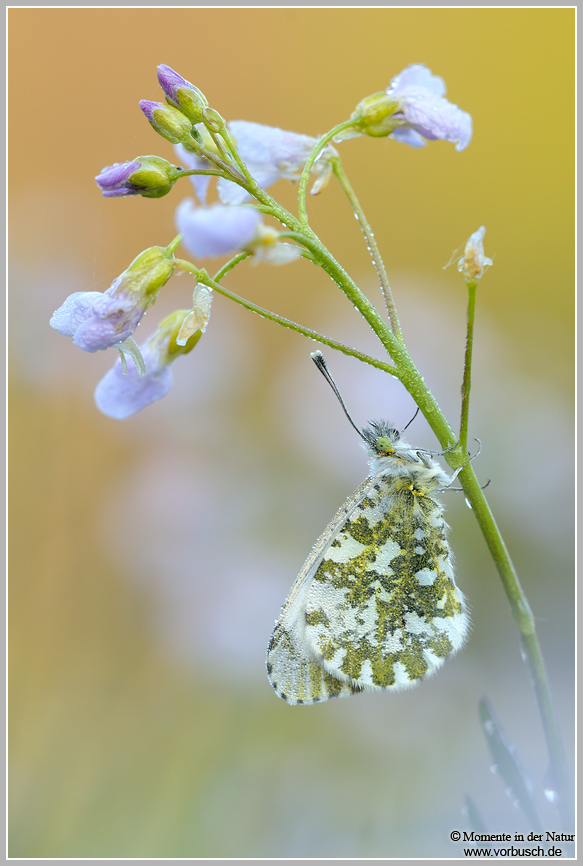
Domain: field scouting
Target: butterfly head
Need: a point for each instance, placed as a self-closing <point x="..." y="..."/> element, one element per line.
<point x="382" y="440"/>
<point x="387" y="451"/>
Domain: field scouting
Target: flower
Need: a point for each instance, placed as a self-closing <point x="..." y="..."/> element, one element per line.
<point x="98" y="320"/>
<point x="425" y="112"/>
<point x="412" y="109"/>
<point x="271" y="154"/>
<point x="473" y="261"/>
<point x="216" y="230"/>
<point x="150" y="176"/>
<point x="182" y="94"/>
<point x="121" y="394"/>
<point x="222" y="229"/>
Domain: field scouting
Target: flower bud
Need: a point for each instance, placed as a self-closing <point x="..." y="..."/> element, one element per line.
<point x="149" y="176"/>
<point x="170" y="123"/>
<point x="148" y="273"/>
<point x="373" y="116"/>
<point x="182" y="94"/>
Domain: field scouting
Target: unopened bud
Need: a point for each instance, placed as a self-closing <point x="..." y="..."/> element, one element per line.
<point x="150" y="176"/>
<point x="170" y="123"/>
<point x="148" y="273"/>
<point x="374" y="115"/>
<point x="182" y="94"/>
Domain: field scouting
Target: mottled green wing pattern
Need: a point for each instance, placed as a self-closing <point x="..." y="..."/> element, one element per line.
<point x="297" y="677"/>
<point x="294" y="668"/>
<point x="383" y="610"/>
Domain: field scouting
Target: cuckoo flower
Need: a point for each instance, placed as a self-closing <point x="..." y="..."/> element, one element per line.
<point x="121" y="394"/>
<point x="216" y="230"/>
<point x="413" y="109"/>
<point x="224" y="229"/>
<point x="98" y="320"/>
<point x="271" y="154"/>
<point x="425" y="111"/>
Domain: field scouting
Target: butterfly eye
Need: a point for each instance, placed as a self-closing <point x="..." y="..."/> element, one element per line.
<point x="384" y="446"/>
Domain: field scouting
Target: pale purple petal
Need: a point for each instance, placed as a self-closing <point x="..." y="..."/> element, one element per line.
<point x="438" y="118"/>
<point x="98" y="320"/>
<point x="120" y="396"/>
<point x="112" y="320"/>
<point x="426" y="111"/>
<point x="269" y="153"/>
<point x="113" y="179"/>
<point x="181" y="93"/>
<point x="216" y="230"/>
<point x="417" y="76"/>
<point x="170" y="81"/>
<point x="409" y="136"/>
<point x="149" y="107"/>
<point x="73" y="312"/>
<point x="275" y="151"/>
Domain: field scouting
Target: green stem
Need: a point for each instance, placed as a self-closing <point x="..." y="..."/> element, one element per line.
<point x="518" y="602"/>
<point x="371" y="245"/>
<point x="318" y="147"/>
<point x="532" y="654"/>
<point x="203" y="277"/>
<point x="224" y="168"/>
<point x="467" y="378"/>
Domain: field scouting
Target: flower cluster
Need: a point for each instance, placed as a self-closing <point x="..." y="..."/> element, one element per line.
<point x="245" y="159"/>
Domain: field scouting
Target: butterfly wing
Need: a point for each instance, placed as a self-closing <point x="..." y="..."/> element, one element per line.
<point x="382" y="609"/>
<point x="294" y="664"/>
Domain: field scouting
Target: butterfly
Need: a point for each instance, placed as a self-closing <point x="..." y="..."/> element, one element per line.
<point x="375" y="606"/>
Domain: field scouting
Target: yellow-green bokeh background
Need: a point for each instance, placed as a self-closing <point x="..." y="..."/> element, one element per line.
<point x="149" y="558"/>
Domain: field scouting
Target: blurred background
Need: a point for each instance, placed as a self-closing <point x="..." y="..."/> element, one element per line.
<point x="149" y="558"/>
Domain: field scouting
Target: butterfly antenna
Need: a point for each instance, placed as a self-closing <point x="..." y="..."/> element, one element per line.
<point x="320" y="362"/>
